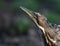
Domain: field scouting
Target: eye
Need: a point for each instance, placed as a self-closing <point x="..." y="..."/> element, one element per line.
<point x="43" y="19"/>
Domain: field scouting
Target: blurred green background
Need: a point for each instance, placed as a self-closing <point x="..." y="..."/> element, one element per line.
<point x="21" y="22"/>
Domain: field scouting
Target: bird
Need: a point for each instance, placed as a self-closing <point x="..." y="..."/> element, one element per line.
<point x="50" y="31"/>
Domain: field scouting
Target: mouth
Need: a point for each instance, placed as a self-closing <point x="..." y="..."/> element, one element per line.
<point x="31" y="14"/>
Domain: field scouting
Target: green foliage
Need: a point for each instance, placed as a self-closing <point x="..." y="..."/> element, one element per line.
<point x="22" y="24"/>
<point x="53" y="17"/>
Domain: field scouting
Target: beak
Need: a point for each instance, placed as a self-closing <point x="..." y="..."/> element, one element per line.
<point x="34" y="16"/>
<point x="30" y="13"/>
